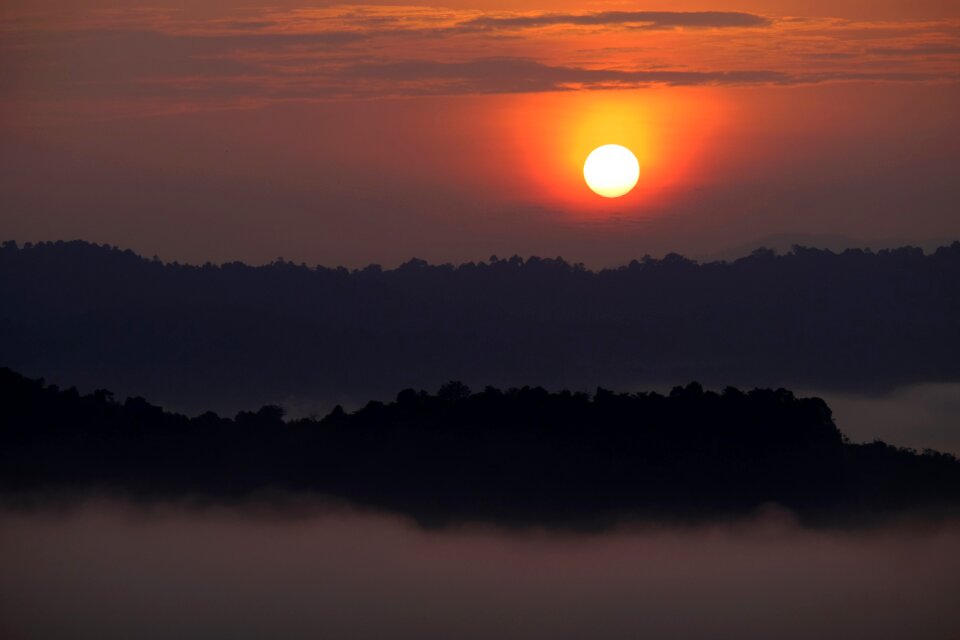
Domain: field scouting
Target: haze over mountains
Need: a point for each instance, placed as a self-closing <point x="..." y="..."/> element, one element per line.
<point x="230" y="336"/>
<point x="722" y="405"/>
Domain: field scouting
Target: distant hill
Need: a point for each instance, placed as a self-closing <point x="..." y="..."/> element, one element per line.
<point x="517" y="457"/>
<point x="224" y="336"/>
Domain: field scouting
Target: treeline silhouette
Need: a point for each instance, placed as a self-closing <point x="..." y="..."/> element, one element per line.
<point x="516" y="457"/>
<point x="195" y="337"/>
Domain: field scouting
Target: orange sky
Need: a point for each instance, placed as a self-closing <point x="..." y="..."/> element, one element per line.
<point x="372" y="133"/>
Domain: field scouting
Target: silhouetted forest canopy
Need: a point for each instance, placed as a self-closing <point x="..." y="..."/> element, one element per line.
<point x="517" y="457"/>
<point x="196" y="337"/>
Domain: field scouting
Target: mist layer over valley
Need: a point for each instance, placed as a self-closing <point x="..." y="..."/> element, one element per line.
<point x="113" y="571"/>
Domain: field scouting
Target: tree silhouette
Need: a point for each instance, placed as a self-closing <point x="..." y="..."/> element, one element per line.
<point x="198" y="337"/>
<point x="516" y="457"/>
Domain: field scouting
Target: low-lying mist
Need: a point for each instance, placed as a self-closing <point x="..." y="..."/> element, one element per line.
<point x="111" y="570"/>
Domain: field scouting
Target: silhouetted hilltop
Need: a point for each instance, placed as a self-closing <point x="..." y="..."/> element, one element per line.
<point x="522" y="456"/>
<point x="223" y="336"/>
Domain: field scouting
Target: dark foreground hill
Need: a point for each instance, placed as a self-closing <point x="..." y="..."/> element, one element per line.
<point x="197" y="337"/>
<point x="517" y="457"/>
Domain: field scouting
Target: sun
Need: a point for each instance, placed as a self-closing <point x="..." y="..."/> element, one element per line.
<point x="611" y="170"/>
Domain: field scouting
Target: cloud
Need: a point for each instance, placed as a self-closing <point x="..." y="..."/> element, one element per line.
<point x="248" y="25"/>
<point x="933" y="49"/>
<point x="648" y="19"/>
<point x="150" y="60"/>
<point x="510" y="75"/>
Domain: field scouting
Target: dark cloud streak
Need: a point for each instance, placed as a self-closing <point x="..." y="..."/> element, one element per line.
<point x="650" y="20"/>
<point x="935" y="49"/>
<point x="507" y="75"/>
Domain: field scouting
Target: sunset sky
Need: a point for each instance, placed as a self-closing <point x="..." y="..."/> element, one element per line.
<point x="358" y="133"/>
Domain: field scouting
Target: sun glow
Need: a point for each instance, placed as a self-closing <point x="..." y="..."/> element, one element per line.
<point x="668" y="131"/>
<point x="611" y="171"/>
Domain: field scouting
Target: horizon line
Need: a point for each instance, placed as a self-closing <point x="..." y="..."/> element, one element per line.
<point x="515" y="259"/>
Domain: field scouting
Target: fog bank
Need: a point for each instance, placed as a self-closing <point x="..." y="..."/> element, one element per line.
<point x="109" y="572"/>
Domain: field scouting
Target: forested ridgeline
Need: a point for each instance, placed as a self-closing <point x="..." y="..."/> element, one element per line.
<point x="223" y="336"/>
<point x="518" y="457"/>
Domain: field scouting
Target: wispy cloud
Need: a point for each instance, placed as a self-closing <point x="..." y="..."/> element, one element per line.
<point x="932" y="49"/>
<point x="509" y="75"/>
<point x="159" y="60"/>
<point x="646" y="19"/>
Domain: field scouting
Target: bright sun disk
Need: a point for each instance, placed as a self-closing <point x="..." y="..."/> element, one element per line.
<point x="611" y="170"/>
